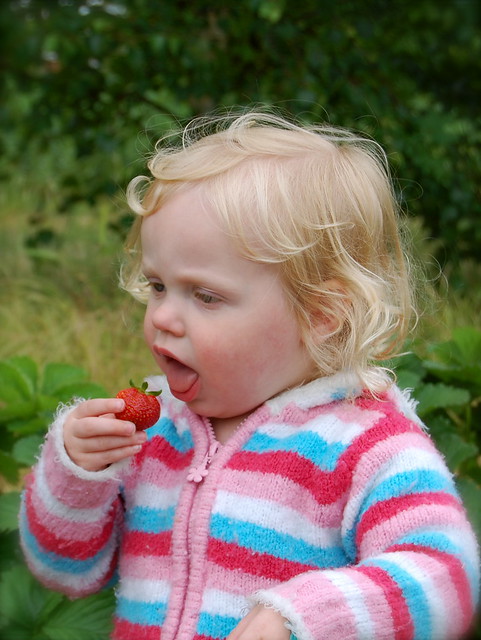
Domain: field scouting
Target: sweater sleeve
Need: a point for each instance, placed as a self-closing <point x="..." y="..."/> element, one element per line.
<point x="70" y="518"/>
<point x="414" y="570"/>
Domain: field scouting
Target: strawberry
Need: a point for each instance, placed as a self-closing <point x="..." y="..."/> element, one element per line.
<point x="141" y="406"/>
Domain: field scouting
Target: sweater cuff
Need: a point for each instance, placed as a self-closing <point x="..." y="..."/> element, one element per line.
<point x="65" y="479"/>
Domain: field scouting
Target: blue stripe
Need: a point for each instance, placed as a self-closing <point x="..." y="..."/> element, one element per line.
<point x="305" y="443"/>
<point x="409" y="483"/>
<point x="143" y="613"/>
<point x="216" y="626"/>
<point x="51" y="560"/>
<point x="413" y="593"/>
<point x="166" y="428"/>
<point x="439" y="541"/>
<point x="402" y="484"/>
<point x="150" y="520"/>
<point x="279" y="545"/>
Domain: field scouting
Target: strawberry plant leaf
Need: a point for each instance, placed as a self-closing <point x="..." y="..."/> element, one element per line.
<point x="25" y="450"/>
<point x="455" y="449"/>
<point x="79" y="619"/>
<point x="471" y="495"/>
<point x="14" y="387"/>
<point x="58" y="375"/>
<point x="9" y="506"/>
<point x="439" y="396"/>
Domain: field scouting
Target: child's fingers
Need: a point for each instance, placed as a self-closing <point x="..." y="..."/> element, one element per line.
<point x="109" y="443"/>
<point x="103" y="459"/>
<point x="103" y="426"/>
<point x="98" y="407"/>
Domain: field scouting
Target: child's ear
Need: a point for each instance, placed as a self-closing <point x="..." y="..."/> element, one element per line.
<point x="329" y="309"/>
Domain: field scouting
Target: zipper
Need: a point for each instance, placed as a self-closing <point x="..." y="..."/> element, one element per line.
<point x="198" y="473"/>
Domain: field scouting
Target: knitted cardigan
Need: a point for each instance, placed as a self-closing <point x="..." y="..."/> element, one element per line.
<point x="326" y="504"/>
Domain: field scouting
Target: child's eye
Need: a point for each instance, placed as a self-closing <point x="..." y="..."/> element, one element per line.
<point x="206" y="297"/>
<point x="158" y="287"/>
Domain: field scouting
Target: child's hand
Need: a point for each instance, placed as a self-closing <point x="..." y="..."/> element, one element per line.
<point x="261" y="624"/>
<point x="94" y="438"/>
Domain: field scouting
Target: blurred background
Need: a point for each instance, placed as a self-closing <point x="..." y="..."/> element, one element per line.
<point x="87" y="87"/>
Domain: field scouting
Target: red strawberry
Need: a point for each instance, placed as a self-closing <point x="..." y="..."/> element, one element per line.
<point x="141" y="406"/>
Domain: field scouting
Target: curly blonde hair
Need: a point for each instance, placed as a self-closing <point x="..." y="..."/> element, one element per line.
<point x="318" y="201"/>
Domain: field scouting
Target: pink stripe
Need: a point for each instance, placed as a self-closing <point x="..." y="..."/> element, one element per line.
<point x="81" y="494"/>
<point x="457" y="576"/>
<point x="253" y="484"/>
<point x="70" y="530"/>
<point x="335" y="613"/>
<point x="383" y="452"/>
<point x="400" y="615"/>
<point x="154" y="472"/>
<point x="235" y="582"/>
<point x="57" y="539"/>
<point x="145" y="567"/>
<point x="396" y="525"/>
<point x="376" y="604"/>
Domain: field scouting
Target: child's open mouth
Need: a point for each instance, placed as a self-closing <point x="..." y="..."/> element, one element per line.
<point x="183" y="381"/>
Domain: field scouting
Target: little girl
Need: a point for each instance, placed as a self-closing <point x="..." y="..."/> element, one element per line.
<point x="288" y="489"/>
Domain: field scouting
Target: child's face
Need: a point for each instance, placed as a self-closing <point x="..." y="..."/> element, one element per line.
<point x="218" y="325"/>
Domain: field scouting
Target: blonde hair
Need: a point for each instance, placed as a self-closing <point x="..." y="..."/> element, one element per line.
<point x="318" y="201"/>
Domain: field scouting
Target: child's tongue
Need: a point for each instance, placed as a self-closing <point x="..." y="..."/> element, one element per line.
<point x="181" y="379"/>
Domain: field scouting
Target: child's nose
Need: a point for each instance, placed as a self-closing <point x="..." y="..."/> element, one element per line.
<point x="167" y="317"/>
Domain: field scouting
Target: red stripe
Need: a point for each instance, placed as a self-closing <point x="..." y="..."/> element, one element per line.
<point x="140" y="543"/>
<point x="160" y="449"/>
<point x="456" y="571"/>
<point x="65" y="547"/>
<point x="328" y="486"/>
<point x="401" y="616"/>
<point x="125" y="630"/>
<point x="234" y="557"/>
<point x="382" y="511"/>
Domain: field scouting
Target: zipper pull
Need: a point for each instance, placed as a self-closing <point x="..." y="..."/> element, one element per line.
<point x="197" y="474"/>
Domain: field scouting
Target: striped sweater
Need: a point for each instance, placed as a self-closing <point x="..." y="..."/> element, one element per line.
<point x="328" y="505"/>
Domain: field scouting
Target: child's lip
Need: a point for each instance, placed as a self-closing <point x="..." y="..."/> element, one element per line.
<point x="182" y="379"/>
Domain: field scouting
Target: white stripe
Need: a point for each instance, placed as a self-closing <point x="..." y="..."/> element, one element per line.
<point x="272" y="515"/>
<point x="61" y="510"/>
<point x="144" y="590"/>
<point x="355" y="600"/>
<point x="329" y="427"/>
<point x="222" y="603"/>
<point x="439" y="616"/>
<point x="153" y="497"/>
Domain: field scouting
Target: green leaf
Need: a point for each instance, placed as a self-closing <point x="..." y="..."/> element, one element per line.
<point x="25" y="450"/>
<point x="28" y="369"/>
<point x="408" y="379"/>
<point x="23" y="603"/>
<point x="58" y="375"/>
<point x="30" y="611"/>
<point x="455" y="449"/>
<point x="439" y="396"/>
<point x="86" y="618"/>
<point x="14" y="387"/>
<point x="80" y="390"/>
<point x="468" y="341"/>
<point x="9" y="507"/>
<point x="8" y="467"/>
<point x="471" y="495"/>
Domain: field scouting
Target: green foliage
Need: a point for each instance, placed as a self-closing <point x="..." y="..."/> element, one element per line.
<point x="29" y="610"/>
<point x="447" y="387"/>
<point x="89" y="86"/>
<point x="28" y="400"/>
